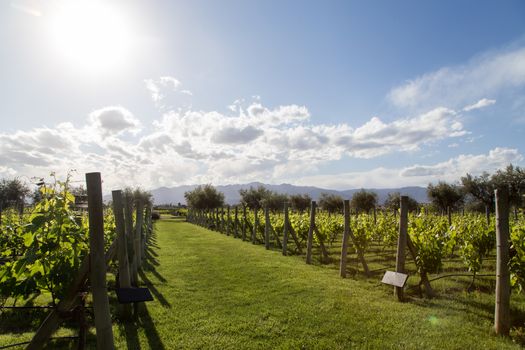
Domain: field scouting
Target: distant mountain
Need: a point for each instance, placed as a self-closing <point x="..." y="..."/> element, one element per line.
<point x="174" y="195"/>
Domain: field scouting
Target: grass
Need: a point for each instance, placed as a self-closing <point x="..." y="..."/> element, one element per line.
<point x="215" y="292"/>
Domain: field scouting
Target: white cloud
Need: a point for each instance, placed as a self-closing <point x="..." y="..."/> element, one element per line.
<point x="484" y="102"/>
<point x="418" y="175"/>
<point x="166" y="92"/>
<point x="455" y="86"/>
<point x="466" y="163"/>
<point x="114" y="120"/>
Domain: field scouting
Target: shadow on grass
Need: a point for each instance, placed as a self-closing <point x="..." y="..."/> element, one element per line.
<point x="146" y="323"/>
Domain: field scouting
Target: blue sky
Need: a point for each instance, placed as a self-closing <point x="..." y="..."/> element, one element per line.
<point x="337" y="94"/>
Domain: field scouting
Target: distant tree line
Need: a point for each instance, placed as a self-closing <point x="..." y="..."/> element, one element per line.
<point x="472" y="193"/>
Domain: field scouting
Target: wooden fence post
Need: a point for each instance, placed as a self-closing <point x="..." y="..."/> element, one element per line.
<point x="449" y="215"/>
<point x="255" y="224"/>
<point x="266" y="228"/>
<point x="502" y="310"/>
<point x="98" y="266"/>
<point x="138" y="233"/>
<point x="122" y="253"/>
<point x="243" y="222"/>
<point x="310" y="233"/>
<point x="402" y="243"/>
<point x="285" y="228"/>
<point x="228" y="221"/>
<point x="236" y="223"/>
<point x="346" y="234"/>
<point x="128" y="216"/>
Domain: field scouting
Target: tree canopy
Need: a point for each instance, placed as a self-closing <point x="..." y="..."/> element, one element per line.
<point x="204" y="197"/>
<point x="364" y="201"/>
<point x="13" y="192"/>
<point x="332" y="203"/>
<point x="300" y="202"/>
<point x="393" y="202"/>
<point x="444" y="195"/>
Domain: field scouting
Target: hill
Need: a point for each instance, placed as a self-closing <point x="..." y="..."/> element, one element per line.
<point x="174" y="195"/>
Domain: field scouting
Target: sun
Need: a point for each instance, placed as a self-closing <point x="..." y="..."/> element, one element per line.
<point x="90" y="35"/>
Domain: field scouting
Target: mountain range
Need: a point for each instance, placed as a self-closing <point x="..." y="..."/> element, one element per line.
<point x="175" y="195"/>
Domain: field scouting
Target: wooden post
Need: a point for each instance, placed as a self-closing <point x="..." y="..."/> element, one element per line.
<point x="402" y="243"/>
<point x="228" y="221"/>
<point x="255" y="224"/>
<point x="128" y="215"/>
<point x="346" y="234"/>
<point x="502" y="311"/>
<point x="266" y="227"/>
<point x="487" y="214"/>
<point x="138" y="233"/>
<point x="285" y="228"/>
<point x="375" y="216"/>
<point x="310" y="234"/>
<point x="123" y="262"/>
<point x="243" y="222"/>
<point x="236" y="223"/>
<point x="98" y="266"/>
<point x="449" y="214"/>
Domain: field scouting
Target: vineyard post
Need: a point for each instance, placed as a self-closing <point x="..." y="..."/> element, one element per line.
<point x="228" y="221"/>
<point x="402" y="242"/>
<point x="149" y="228"/>
<point x="98" y="266"/>
<point x="487" y="214"/>
<point x="310" y="234"/>
<point x="255" y="224"/>
<point x="236" y="223"/>
<point x="285" y="228"/>
<point x="266" y="227"/>
<point x="138" y="233"/>
<point x="375" y="216"/>
<point x="128" y="216"/>
<point x="502" y="310"/>
<point x="122" y="253"/>
<point x="346" y="234"/>
<point x="449" y="214"/>
<point x="243" y="222"/>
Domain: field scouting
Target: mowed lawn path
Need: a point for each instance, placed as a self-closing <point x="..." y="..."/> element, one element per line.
<point x="216" y="292"/>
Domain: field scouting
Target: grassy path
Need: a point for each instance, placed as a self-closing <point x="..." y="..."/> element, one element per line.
<point x="213" y="291"/>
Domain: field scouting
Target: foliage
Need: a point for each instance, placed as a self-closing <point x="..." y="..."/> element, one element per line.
<point x="300" y="202"/>
<point x="12" y="193"/>
<point x="444" y="195"/>
<point x="393" y="202"/>
<point x="253" y="197"/>
<point x="364" y="201"/>
<point x="54" y="243"/>
<point x="204" y="197"/>
<point x="332" y="203"/>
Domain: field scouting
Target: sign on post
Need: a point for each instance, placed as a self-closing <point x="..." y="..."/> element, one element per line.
<point x="396" y="279"/>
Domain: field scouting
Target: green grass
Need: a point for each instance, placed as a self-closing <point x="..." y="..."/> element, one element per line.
<point x="215" y="292"/>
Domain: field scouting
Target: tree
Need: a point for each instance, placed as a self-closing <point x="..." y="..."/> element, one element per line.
<point x="204" y="197"/>
<point x="253" y="197"/>
<point x="300" y="202"/>
<point x="480" y="187"/>
<point x="444" y="195"/>
<point x="393" y="202"/>
<point x="512" y="178"/>
<point x="13" y="193"/>
<point x="364" y="201"/>
<point x="275" y="201"/>
<point x="332" y="203"/>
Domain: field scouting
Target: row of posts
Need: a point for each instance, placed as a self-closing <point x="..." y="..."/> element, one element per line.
<point x="131" y="246"/>
<point x="502" y="306"/>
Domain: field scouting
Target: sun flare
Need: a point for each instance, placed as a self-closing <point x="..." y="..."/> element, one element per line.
<point x="90" y="35"/>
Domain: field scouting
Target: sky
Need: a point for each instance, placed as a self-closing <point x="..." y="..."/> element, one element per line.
<point x="334" y="94"/>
